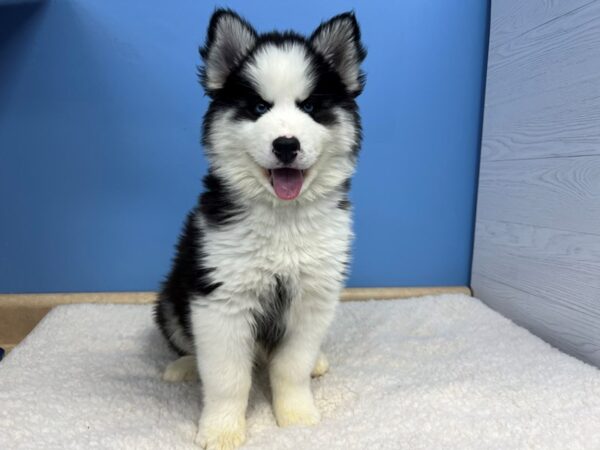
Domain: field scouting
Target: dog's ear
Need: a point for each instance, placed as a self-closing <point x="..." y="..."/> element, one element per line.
<point x="338" y="41"/>
<point x="228" y="40"/>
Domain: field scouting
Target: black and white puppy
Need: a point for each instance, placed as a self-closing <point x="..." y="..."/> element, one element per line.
<point x="262" y="258"/>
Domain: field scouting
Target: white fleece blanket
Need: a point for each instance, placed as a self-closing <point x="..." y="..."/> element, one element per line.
<point x="440" y="372"/>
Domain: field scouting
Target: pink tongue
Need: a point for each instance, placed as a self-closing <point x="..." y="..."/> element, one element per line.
<point x="287" y="183"/>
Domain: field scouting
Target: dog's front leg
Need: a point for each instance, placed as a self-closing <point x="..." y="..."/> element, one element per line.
<point x="292" y="363"/>
<point x="224" y="347"/>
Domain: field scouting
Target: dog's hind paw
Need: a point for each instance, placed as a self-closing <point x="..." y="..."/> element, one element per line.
<point x="321" y="366"/>
<point x="182" y="369"/>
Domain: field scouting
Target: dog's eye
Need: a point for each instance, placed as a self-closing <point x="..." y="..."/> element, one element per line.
<point x="260" y="108"/>
<point x="308" y="107"/>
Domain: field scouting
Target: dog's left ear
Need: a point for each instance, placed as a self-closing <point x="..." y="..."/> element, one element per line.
<point x="338" y="41"/>
<point x="228" y="40"/>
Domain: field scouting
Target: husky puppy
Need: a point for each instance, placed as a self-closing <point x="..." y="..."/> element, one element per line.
<point x="262" y="257"/>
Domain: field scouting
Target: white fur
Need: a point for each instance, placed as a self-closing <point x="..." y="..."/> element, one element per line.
<point x="224" y="351"/>
<point x="240" y="151"/>
<point x="307" y="243"/>
<point x="321" y="366"/>
<point x="186" y="368"/>
<point x="240" y="157"/>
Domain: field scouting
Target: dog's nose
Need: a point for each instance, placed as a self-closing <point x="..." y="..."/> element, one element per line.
<point x="286" y="148"/>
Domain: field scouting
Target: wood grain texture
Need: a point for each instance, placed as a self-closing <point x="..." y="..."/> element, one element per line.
<point x="561" y="193"/>
<point x="552" y="321"/>
<point x="558" y="268"/>
<point x="559" y="121"/>
<point x="537" y="241"/>
<point x="542" y="90"/>
<point x="511" y="18"/>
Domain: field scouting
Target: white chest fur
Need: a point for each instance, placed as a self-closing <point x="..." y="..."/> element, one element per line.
<point x="308" y="246"/>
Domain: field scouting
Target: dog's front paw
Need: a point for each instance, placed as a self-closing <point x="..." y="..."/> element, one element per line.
<point x="296" y="413"/>
<point x="211" y="437"/>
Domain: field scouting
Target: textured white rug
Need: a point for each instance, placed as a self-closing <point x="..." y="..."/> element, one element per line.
<point x="430" y="373"/>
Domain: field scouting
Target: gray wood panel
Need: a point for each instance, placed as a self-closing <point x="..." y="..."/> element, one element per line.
<point x="561" y="193"/>
<point x="555" y="324"/>
<point x="537" y="241"/>
<point x="560" y="121"/>
<point x="558" y="269"/>
<point x="551" y="76"/>
<point x="511" y="18"/>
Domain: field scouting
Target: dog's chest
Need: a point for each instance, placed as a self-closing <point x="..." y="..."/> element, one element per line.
<point x="308" y="248"/>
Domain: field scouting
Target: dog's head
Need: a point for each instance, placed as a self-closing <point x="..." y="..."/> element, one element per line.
<point x="283" y="122"/>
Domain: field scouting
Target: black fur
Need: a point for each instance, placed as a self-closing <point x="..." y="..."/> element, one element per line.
<point x="345" y="203"/>
<point x="217" y="203"/>
<point x="240" y="94"/>
<point x="329" y="92"/>
<point x="189" y="276"/>
<point x="269" y="324"/>
<point x="355" y="39"/>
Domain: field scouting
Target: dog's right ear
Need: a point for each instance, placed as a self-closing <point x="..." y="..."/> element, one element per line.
<point x="228" y="40"/>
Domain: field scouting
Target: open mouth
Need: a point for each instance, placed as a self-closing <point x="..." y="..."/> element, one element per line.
<point x="286" y="182"/>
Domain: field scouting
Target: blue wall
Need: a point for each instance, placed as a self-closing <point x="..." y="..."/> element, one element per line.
<point x="99" y="129"/>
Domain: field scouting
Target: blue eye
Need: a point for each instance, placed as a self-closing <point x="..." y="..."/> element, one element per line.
<point x="308" y="107"/>
<point x="260" y="108"/>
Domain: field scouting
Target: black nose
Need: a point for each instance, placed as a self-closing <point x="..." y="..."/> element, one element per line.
<point x="286" y="149"/>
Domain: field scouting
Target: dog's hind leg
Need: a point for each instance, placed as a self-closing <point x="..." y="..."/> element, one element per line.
<point x="182" y="369"/>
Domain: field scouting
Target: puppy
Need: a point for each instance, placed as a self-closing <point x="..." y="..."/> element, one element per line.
<point x="263" y="256"/>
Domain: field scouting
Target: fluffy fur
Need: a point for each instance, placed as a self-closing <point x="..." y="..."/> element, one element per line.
<point x="262" y="258"/>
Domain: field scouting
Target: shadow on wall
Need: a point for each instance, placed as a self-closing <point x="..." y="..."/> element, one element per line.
<point x="17" y="28"/>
